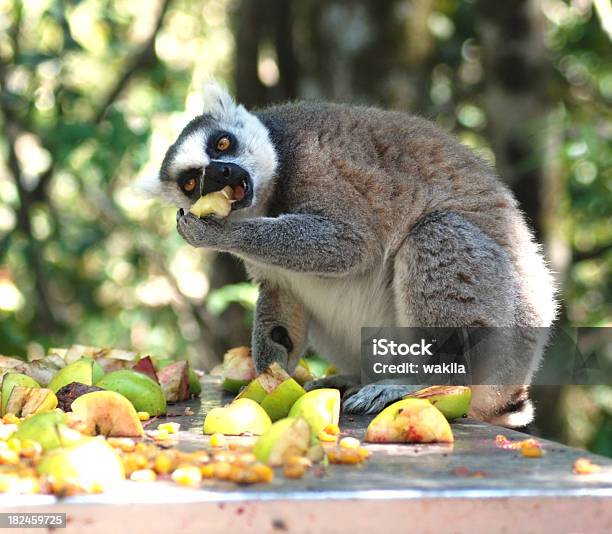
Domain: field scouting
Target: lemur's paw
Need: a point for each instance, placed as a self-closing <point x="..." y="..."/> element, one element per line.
<point x="372" y="398"/>
<point x="197" y="232"/>
<point x="341" y="382"/>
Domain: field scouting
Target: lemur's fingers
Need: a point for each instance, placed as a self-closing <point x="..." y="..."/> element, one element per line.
<point x="372" y="398"/>
<point x="341" y="382"/>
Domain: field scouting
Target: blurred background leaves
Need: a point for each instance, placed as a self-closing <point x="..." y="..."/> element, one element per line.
<point x="92" y="92"/>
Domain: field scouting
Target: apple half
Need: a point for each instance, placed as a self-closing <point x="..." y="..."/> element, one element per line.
<point x="143" y="392"/>
<point x="409" y="421"/>
<point x="452" y="401"/>
<point x="240" y="417"/>
<point x="320" y="407"/>
<point x="84" y="370"/>
<point x="107" y="413"/>
<point x="238" y="369"/>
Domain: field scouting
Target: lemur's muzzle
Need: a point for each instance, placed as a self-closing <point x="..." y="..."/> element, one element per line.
<point x="219" y="174"/>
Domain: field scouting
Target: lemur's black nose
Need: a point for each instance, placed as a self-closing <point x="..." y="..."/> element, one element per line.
<point x="219" y="174"/>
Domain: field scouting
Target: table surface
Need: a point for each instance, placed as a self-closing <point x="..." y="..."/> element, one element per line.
<point x="471" y="468"/>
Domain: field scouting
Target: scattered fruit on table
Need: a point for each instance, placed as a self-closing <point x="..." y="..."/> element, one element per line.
<point x="145" y="394"/>
<point x="452" y="401"/>
<point x="147" y="367"/>
<point x="320" y="408"/>
<point x="238" y="369"/>
<point x="240" y="417"/>
<point x="45" y="428"/>
<point x="174" y="380"/>
<point x="275" y="390"/>
<point x="66" y="395"/>
<point x="195" y="387"/>
<point x="410" y="421"/>
<point x="504" y="443"/>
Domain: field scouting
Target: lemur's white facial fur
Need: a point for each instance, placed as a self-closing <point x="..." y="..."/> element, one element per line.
<point x="250" y="151"/>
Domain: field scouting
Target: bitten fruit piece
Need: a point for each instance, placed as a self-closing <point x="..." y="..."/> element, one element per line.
<point x="452" y="401"/>
<point x="92" y="465"/>
<point x="409" y="421"/>
<point x="107" y="413"/>
<point x="218" y="203"/>
<point x="43" y="428"/>
<point x="240" y="417"/>
<point x="238" y="369"/>
<point x="143" y="392"/>
<point x="11" y="380"/>
<point x="320" y="407"/>
<point x="284" y="439"/>
<point x="25" y="401"/>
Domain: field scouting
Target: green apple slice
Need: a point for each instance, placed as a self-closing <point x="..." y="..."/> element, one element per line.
<point x="409" y="421"/>
<point x="320" y="407"/>
<point x="253" y="391"/>
<point x="284" y="439"/>
<point x="142" y="391"/>
<point x="238" y="369"/>
<point x="279" y="402"/>
<point x="11" y="380"/>
<point x="84" y="370"/>
<point x="452" y="401"/>
<point x="240" y="417"/>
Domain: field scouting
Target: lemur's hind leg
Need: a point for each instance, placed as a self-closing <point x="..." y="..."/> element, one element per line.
<point x="279" y="329"/>
<point x="450" y="273"/>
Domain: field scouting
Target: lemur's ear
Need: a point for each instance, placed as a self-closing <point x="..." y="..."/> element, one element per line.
<point x="217" y="101"/>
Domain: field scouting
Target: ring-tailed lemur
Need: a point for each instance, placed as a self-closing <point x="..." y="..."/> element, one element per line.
<point x="353" y="216"/>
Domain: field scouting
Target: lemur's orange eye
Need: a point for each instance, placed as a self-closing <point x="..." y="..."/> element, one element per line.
<point x="190" y="185"/>
<point x="223" y="143"/>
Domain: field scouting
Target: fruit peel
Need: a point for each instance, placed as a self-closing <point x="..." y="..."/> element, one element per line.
<point x="24" y="401"/>
<point x="409" y="421"/>
<point x="11" y="380"/>
<point x="174" y="380"/>
<point x="84" y="370"/>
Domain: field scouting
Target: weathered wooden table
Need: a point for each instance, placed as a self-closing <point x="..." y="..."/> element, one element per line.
<point x="472" y="486"/>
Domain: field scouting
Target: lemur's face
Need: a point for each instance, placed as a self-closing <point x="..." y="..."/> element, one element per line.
<point x="226" y="145"/>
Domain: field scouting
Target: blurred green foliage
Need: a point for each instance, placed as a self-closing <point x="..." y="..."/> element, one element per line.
<point x="93" y="91"/>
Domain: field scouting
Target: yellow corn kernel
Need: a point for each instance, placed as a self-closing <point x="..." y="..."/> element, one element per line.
<point x="187" y="476"/>
<point x="143" y="475"/>
<point x="584" y="466"/>
<point x="222" y="470"/>
<point x="332" y="429"/>
<point x="144" y="416"/>
<point x="142" y="447"/>
<point x="14" y="444"/>
<point x="8" y="457"/>
<point x="344" y="456"/>
<point x="11" y="419"/>
<point x="123" y="444"/>
<point x="159" y="435"/>
<point x="170" y="428"/>
<point x="264" y="472"/>
<point x="532" y="452"/>
<point x="363" y="452"/>
<point x="349" y="443"/>
<point x="207" y="470"/>
<point x="242" y="475"/>
<point x="245" y="458"/>
<point x="163" y="463"/>
<point x="28" y="485"/>
<point x="294" y="471"/>
<point x="298" y="460"/>
<point x="30" y="448"/>
<point x="324" y="436"/>
<point x="218" y="440"/>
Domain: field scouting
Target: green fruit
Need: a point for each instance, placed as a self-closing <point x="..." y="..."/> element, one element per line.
<point x="107" y="413"/>
<point x="284" y="439"/>
<point x="320" y="407"/>
<point x="238" y="369"/>
<point x="452" y="401"/>
<point x="143" y="392"/>
<point x="279" y="402"/>
<point x="409" y="421"/>
<point x="15" y="379"/>
<point x="240" y="417"/>
<point x="92" y="465"/>
<point x="85" y="371"/>
<point x="253" y="391"/>
<point x="43" y="427"/>
<point x="195" y="386"/>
